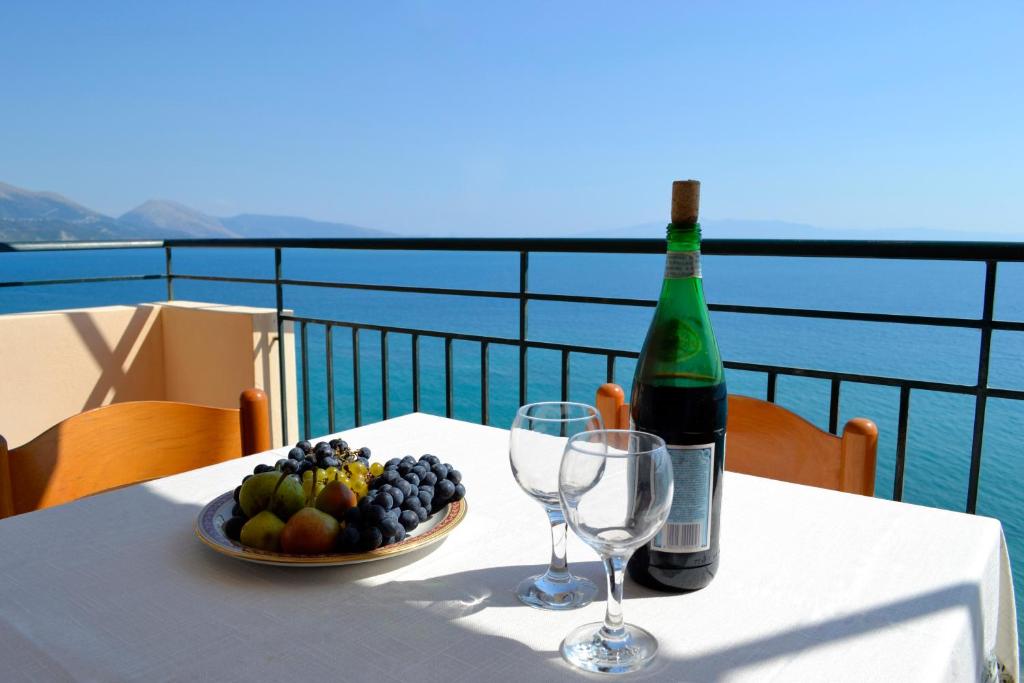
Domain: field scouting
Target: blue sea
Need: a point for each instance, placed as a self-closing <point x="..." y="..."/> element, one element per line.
<point x="940" y="425"/>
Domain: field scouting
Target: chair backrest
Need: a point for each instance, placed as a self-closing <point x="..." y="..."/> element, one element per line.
<point x="125" y="443"/>
<point x="767" y="440"/>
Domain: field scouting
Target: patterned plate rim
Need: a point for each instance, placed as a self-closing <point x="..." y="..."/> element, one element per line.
<point x="205" y="525"/>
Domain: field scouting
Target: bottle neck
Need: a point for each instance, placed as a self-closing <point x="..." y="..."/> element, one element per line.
<point x="683" y="237"/>
<point x="682" y="261"/>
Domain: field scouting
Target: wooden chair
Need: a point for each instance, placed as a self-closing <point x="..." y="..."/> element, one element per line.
<point x="767" y="440"/>
<point x="126" y="443"/>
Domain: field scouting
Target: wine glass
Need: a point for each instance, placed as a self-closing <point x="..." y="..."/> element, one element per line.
<point x="536" y="444"/>
<point x="615" y="487"/>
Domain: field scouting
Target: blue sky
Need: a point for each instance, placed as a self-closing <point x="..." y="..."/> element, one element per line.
<point x="531" y="117"/>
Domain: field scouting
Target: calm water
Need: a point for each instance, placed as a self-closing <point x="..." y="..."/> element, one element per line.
<point x="939" y="441"/>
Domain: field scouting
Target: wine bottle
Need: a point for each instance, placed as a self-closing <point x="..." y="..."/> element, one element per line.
<point x="679" y="394"/>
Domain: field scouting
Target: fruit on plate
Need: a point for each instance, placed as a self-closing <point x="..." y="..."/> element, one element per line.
<point x="335" y="499"/>
<point x="263" y="531"/>
<point x="308" y="532"/>
<point x="329" y="497"/>
<point x="280" y="493"/>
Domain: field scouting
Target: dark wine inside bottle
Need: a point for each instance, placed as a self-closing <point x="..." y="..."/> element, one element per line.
<point x="683" y="416"/>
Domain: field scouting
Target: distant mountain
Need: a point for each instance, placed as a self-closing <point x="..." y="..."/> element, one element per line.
<point x="28" y="216"/>
<point x="160" y="216"/>
<point x="254" y="225"/>
<point x="730" y="228"/>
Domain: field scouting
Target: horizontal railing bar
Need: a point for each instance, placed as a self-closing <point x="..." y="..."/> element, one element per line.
<point x="228" y="278"/>
<point x="83" y="245"/>
<point x="873" y="249"/>
<point x="84" y="280"/>
<point x="882" y="380"/>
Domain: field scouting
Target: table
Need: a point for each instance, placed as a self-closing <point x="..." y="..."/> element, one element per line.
<point x="814" y="585"/>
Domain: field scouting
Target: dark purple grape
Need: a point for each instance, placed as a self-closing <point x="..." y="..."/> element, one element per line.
<point x="412" y="479"/>
<point x="393" y="462"/>
<point x="364" y="452"/>
<point x="260" y="469"/>
<point x="233" y="527"/>
<point x="454" y="476"/>
<point x="389" y="527"/>
<point x="429" y="479"/>
<point x="238" y="489"/>
<point x="305" y="446"/>
<point x="445" y="489"/>
<point x="348" y="539"/>
<point x="397" y="496"/>
<point x="426" y="498"/>
<point x="422" y="513"/>
<point x="404" y="468"/>
<point x="331" y="461"/>
<point x="237" y="511"/>
<point x="364" y="503"/>
<point x="365" y="462"/>
<point x="419" y="470"/>
<point x="353" y="517"/>
<point x="371" y="538"/>
<point x="384" y="500"/>
<point x="374" y="514"/>
<point x="460" y="492"/>
<point x="246" y="478"/>
<point x="305" y="466"/>
<point x="391" y="477"/>
<point x="440" y="470"/>
<point x="280" y="464"/>
<point x="296" y="453"/>
<point x="400" y="536"/>
<point x="409" y="519"/>
<point x="411" y="503"/>
<point x="409" y="459"/>
<point x="324" y="448"/>
<point x="432" y="459"/>
<point x="290" y="467"/>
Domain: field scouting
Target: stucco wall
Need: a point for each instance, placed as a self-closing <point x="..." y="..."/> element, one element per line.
<point x="57" y="363"/>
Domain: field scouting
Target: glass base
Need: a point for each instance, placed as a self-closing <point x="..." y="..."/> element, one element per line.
<point x="546" y="592"/>
<point x="587" y="648"/>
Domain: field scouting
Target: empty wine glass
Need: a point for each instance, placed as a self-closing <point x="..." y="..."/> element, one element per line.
<point x="615" y="487"/>
<point x="536" y="444"/>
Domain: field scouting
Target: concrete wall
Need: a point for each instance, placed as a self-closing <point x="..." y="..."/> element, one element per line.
<point x="57" y="363"/>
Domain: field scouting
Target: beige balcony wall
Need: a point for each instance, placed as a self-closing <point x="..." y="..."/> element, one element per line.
<point x="58" y="363"/>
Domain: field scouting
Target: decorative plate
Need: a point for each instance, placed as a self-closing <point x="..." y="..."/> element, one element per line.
<point x="209" y="527"/>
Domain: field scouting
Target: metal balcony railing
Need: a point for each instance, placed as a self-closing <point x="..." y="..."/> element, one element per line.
<point x="989" y="253"/>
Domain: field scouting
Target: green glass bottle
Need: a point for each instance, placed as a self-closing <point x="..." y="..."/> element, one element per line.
<point x="679" y="394"/>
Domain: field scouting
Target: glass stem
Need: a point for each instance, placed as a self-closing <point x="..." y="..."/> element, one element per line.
<point x="559" y="567"/>
<point x="614" y="628"/>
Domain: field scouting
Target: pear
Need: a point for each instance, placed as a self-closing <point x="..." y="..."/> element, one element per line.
<point x="263" y="531"/>
<point x="335" y="499"/>
<point x="257" y="492"/>
<point x="309" y="532"/>
<point x="288" y="498"/>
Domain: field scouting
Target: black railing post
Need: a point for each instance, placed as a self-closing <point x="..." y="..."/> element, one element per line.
<point x="384" y="374"/>
<point x="833" y="408"/>
<point x="484" y="347"/>
<point x="356" y="401"/>
<point x="168" y="273"/>
<point x="565" y="375"/>
<point x="773" y="379"/>
<point x="305" y="380"/>
<point x="329" y="353"/>
<point x="901" y="443"/>
<point x="415" y="373"/>
<point x="449" y="395"/>
<point x="281" y="357"/>
<point x="981" y="396"/>
<point x="524" y="267"/>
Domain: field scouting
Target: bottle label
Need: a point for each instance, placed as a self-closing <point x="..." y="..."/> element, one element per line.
<point x="688" y="529"/>
<point x="682" y="264"/>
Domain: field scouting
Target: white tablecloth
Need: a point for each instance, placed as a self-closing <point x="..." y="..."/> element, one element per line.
<point x="813" y="586"/>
